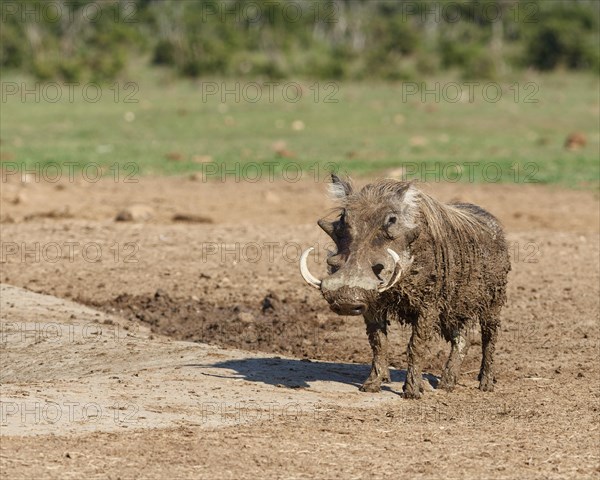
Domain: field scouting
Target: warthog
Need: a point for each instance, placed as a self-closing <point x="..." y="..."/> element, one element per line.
<point x="403" y="255"/>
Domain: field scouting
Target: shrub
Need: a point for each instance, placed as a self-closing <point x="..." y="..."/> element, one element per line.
<point x="565" y="36"/>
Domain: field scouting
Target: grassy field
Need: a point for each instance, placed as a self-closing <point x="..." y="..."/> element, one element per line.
<point x="454" y="131"/>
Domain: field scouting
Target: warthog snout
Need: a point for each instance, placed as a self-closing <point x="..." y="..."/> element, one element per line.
<point x="355" y="277"/>
<point x="346" y="300"/>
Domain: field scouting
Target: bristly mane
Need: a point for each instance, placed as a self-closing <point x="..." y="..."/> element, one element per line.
<point x="455" y="234"/>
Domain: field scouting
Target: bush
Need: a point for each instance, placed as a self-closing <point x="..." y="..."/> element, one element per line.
<point x="165" y="53"/>
<point x="480" y="65"/>
<point x="565" y="36"/>
<point x="13" y="50"/>
<point x="48" y="49"/>
<point x="364" y="39"/>
<point x="561" y="43"/>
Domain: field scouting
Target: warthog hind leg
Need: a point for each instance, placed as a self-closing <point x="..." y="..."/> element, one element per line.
<point x="380" y="372"/>
<point x="489" y="334"/>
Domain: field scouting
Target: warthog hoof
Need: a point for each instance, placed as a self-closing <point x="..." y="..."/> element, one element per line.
<point x="486" y="382"/>
<point x="371" y="387"/>
<point x="411" y="392"/>
<point x="447" y="382"/>
<point x="413" y="395"/>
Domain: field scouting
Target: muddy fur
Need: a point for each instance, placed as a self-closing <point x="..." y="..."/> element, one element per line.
<point x="457" y="277"/>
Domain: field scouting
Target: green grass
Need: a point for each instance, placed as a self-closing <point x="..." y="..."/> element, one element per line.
<point x="371" y="129"/>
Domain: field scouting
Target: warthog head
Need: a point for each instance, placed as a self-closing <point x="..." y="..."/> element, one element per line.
<point x="372" y="234"/>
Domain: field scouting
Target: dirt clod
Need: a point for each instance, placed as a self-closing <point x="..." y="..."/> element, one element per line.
<point x="135" y="213"/>
<point x="191" y="218"/>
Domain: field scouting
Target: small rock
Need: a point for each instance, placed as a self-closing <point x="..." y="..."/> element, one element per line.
<point x="418" y="141"/>
<point x="135" y="213"/>
<point x="191" y="218"/>
<point x="271" y="197"/>
<point x="28" y="178"/>
<point x="279" y="145"/>
<point x="575" y="141"/>
<point x="399" y="119"/>
<point x="58" y="213"/>
<point x="281" y="150"/>
<point x="245" y="317"/>
<point x="398" y="173"/>
<point x="19" y="198"/>
<point x="202" y="159"/>
<point x="174" y="156"/>
<point x="286" y="154"/>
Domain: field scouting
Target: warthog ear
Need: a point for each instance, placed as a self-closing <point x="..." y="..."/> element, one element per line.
<point x="339" y="188"/>
<point x="409" y="208"/>
<point x="327" y="227"/>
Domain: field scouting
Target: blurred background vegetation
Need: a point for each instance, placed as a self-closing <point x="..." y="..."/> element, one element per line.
<point x="352" y="61"/>
<point x="83" y="40"/>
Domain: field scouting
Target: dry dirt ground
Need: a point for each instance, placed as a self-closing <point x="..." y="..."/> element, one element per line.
<point x="185" y="344"/>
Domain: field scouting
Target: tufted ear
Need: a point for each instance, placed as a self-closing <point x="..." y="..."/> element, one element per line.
<point x="403" y="221"/>
<point x="327" y="227"/>
<point x="408" y="195"/>
<point x="338" y="188"/>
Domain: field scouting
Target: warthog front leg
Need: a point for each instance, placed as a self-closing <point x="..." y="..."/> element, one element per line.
<point x="460" y="346"/>
<point x="380" y="372"/>
<point x="422" y="331"/>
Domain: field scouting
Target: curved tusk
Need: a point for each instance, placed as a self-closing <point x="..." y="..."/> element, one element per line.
<point x="394" y="255"/>
<point x="308" y="277"/>
<point x="396" y="274"/>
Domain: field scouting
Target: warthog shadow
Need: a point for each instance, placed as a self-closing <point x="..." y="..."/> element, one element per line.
<point x="300" y="373"/>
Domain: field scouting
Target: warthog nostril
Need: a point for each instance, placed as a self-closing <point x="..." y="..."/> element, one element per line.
<point x="334" y="261"/>
<point x="377" y="269"/>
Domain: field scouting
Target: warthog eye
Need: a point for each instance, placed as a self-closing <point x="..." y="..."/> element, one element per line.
<point x="391" y="225"/>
